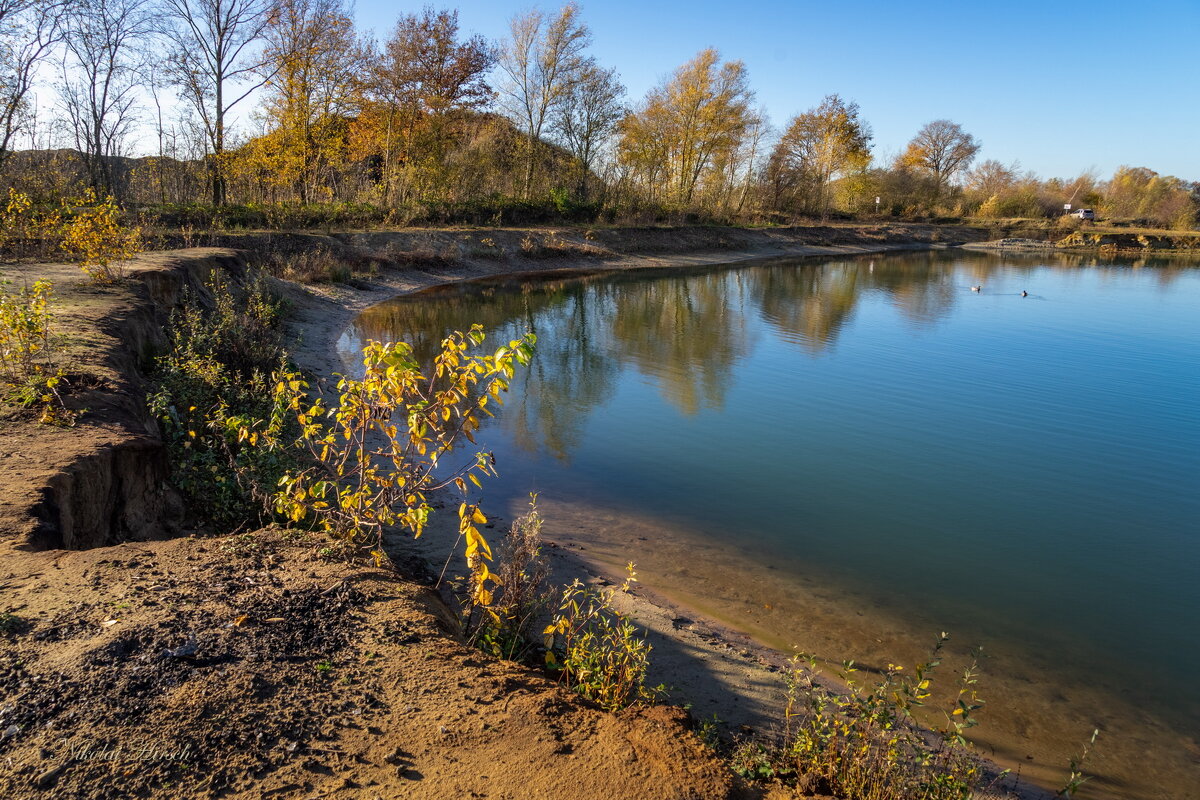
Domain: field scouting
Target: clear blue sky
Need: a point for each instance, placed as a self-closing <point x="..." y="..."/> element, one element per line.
<point x="1060" y="86"/>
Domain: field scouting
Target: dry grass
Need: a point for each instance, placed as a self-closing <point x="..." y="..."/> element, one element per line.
<point x="318" y="265"/>
<point x="552" y="245"/>
<point x="426" y="251"/>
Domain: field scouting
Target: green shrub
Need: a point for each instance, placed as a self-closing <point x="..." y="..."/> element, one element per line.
<point x="218" y="369"/>
<point x="597" y="651"/>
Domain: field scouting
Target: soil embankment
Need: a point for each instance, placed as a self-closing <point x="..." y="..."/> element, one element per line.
<point x="105" y="480"/>
<point x="1156" y="244"/>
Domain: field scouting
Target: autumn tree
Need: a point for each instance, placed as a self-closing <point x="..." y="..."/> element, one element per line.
<point x="105" y="42"/>
<point x="694" y="120"/>
<point x="941" y="149"/>
<point x="1141" y="193"/>
<point x="424" y="78"/>
<point x="542" y="59"/>
<point x="217" y="63"/>
<point x="821" y="144"/>
<point x="588" y="116"/>
<point x="425" y="66"/>
<point x="732" y="174"/>
<point x="1082" y="190"/>
<point x="312" y="63"/>
<point x="29" y="30"/>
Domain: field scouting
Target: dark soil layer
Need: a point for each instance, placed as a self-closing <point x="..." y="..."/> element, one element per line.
<point x="250" y="667"/>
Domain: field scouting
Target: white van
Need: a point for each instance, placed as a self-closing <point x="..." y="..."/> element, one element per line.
<point x="1084" y="213"/>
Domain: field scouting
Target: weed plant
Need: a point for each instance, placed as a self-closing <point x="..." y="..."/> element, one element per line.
<point x="508" y="628"/>
<point x="30" y="376"/>
<point x="596" y="651"/>
<point x="864" y="743"/>
<point x="1076" y="777"/>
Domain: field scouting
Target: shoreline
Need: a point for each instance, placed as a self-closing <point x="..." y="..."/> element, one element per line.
<point x="322" y="313"/>
<point x="735" y="670"/>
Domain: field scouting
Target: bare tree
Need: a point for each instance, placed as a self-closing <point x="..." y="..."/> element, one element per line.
<point x="541" y="61"/>
<point x="215" y="62"/>
<point x="29" y="30"/>
<point x="991" y="178"/>
<point x="588" y="116"/>
<point x="101" y="71"/>
<point x="942" y="149"/>
<point x="759" y="131"/>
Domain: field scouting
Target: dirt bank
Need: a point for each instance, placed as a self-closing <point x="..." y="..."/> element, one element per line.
<point x="104" y="480"/>
<point x="250" y="667"/>
<point x="1156" y="244"/>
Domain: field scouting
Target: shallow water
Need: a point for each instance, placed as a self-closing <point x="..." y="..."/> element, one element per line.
<point x="868" y="452"/>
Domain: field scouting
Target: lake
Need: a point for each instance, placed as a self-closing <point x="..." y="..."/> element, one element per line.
<point x="850" y="455"/>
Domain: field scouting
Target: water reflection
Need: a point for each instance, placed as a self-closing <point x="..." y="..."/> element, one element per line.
<point x="685" y="332"/>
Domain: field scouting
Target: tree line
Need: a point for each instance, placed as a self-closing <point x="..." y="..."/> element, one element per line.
<point x="430" y="115"/>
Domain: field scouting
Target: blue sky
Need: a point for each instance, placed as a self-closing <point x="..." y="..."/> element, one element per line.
<point x="1059" y="86"/>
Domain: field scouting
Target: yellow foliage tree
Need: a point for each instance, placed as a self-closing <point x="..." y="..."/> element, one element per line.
<point x="98" y="240"/>
<point x="315" y="61"/>
<point x="820" y="145"/>
<point x="695" y="120"/>
<point x="376" y="453"/>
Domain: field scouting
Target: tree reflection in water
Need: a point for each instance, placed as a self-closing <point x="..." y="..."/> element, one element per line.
<point x="683" y="331"/>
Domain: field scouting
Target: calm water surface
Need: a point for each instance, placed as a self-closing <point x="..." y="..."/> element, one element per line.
<point x="1017" y="470"/>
